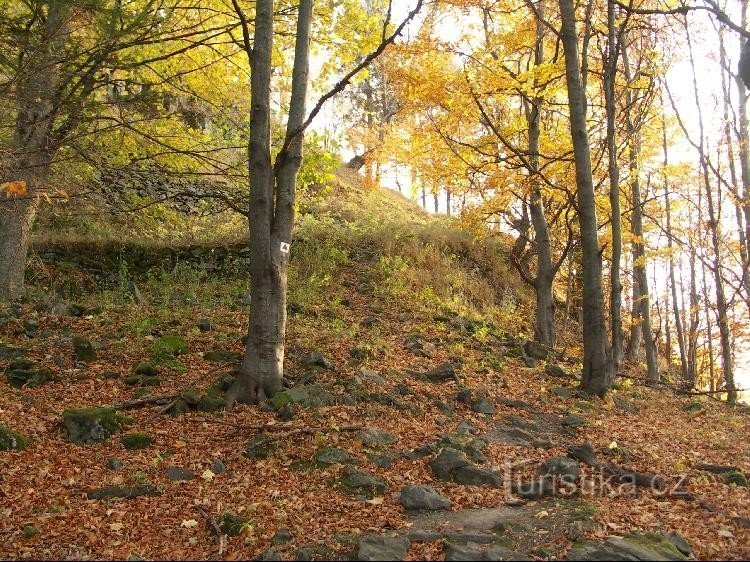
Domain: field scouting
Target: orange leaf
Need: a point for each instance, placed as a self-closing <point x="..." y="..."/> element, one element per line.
<point x="14" y="188"/>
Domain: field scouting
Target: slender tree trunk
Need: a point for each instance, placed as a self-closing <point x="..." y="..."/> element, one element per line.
<point x="743" y="132"/>
<point x="436" y="200"/>
<point x="448" y="201"/>
<point x="272" y="191"/>
<point x="615" y="298"/>
<point x="598" y="374"/>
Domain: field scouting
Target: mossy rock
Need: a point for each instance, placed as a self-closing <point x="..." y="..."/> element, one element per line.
<point x="135" y="441"/>
<point x="357" y="482"/>
<point x="178" y="408"/>
<point x="25" y="373"/>
<point x="224" y="382"/>
<point x="232" y="524"/>
<point x="260" y="447"/>
<point x="735" y="477"/>
<point x="133" y="380"/>
<point x="141" y="393"/>
<point x="631" y="547"/>
<point x="150" y="381"/>
<point x="12" y="441"/>
<point x="91" y="425"/>
<point x="222" y="356"/>
<point x="169" y="346"/>
<point x="83" y="350"/>
<point x="29" y="532"/>
<point x="146" y="370"/>
<point x="210" y="403"/>
<point x="693" y="406"/>
<point x="141" y="380"/>
<point x="192" y="396"/>
<point x="123" y="492"/>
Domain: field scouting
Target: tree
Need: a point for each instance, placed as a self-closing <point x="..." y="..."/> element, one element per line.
<point x="273" y="191"/>
<point x="598" y="373"/>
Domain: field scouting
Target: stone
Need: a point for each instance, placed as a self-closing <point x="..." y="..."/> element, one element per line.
<point x="416" y="498"/>
<point x="442" y="373"/>
<point x="286" y="413"/>
<point x="535" y="490"/>
<point x="204" y="325"/>
<point x="363" y="483"/>
<point x="224" y="382"/>
<point x="30" y="327"/>
<point x="333" y="455"/>
<point x="135" y="441"/>
<point x="146" y="370"/>
<point x="693" y="406"/>
<point x="269" y="556"/>
<point x="222" y="356"/>
<point x="736" y="478"/>
<point x="282" y="536"/>
<point x="218" y="467"/>
<point x="472" y="475"/>
<point x="178" y="408"/>
<point x="12" y="441"/>
<point x="465" y="428"/>
<point x="446" y="462"/>
<point x="373" y="437"/>
<point x="631" y="547"/>
<point x="369" y="376"/>
<point x="210" y="403"/>
<point x="114" y="465"/>
<point x="317" y="359"/>
<point x="383" y="460"/>
<point x="115" y="492"/>
<point x="573" y="421"/>
<point x="530" y="362"/>
<point x="260" y="447"/>
<point x="584" y="453"/>
<point x="359" y="353"/>
<point x="517" y="404"/>
<point x="536" y="350"/>
<point x="177" y="474"/>
<point x="22" y="372"/>
<point x="500" y="552"/>
<point x="83" y="350"/>
<point x="191" y="396"/>
<point x="483" y="406"/>
<point x="91" y="425"/>
<point x="9" y="352"/>
<point x="232" y="524"/>
<point x="563" y="467"/>
<point x="378" y="547"/>
<point x="552" y="370"/>
<point x="111" y="375"/>
<point x="471" y="537"/>
<point x="563" y="392"/>
<point x="680" y="543"/>
<point x="470" y="551"/>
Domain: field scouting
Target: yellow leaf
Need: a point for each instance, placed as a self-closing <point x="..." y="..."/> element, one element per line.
<point x="376" y="501"/>
<point x="189" y="523"/>
<point x="207" y="475"/>
<point x="14" y="188"/>
<point x="116" y="526"/>
<point x="180" y="444"/>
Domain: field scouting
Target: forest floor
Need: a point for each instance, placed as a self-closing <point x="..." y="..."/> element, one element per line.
<point x="323" y="479"/>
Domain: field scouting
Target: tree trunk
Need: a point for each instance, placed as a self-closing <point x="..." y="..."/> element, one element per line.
<point x="271" y="222"/>
<point x="598" y="373"/>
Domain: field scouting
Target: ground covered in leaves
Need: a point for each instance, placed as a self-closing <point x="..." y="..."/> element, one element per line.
<point x="379" y="389"/>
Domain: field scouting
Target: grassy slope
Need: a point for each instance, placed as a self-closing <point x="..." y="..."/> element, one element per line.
<point x="360" y="254"/>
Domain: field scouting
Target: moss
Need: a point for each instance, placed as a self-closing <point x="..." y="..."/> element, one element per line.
<point x="133" y="380"/>
<point x="134" y="441"/>
<point x="83" y="350"/>
<point x="23" y="372"/>
<point x="169" y="346"/>
<point x="280" y="399"/>
<point x="232" y="524"/>
<point x="191" y="396"/>
<point x="91" y="425"/>
<point x="210" y="403"/>
<point x="10" y="440"/>
<point x="736" y="477"/>
<point x="180" y="407"/>
<point x="150" y="381"/>
<point x="29" y="532"/>
<point x="146" y="370"/>
<point x="693" y="406"/>
<point x="224" y="382"/>
<point x="141" y="393"/>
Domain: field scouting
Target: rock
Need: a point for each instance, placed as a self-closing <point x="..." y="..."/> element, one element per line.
<point x="317" y="359"/>
<point x="518" y="404"/>
<point x="359" y="353"/>
<point x="384" y="460"/>
<point x="446" y="462"/>
<point x="178" y="408"/>
<point x="415" y="498"/>
<point x="736" y="478"/>
<point x="584" y="453"/>
<point x="12" y="441"/>
<point x="363" y="483"/>
<point x="465" y="428"/>
<point x="22" y="372"/>
<point x="308" y="396"/>
<point x="563" y="392"/>
<point x="282" y="536"/>
<point x="530" y="362"/>
<point x="693" y="406"/>
<point x="369" y="376"/>
<point x="373" y="437"/>
<point x="483" y="406"/>
<point x="232" y="524"/>
<point x="269" y="556"/>
<point x="113" y="492"/>
<point x="210" y="403"/>
<point x="30" y="327"/>
<point x="169" y="347"/>
<point x="378" y="547"/>
<point x="632" y="547"/>
<point x="625" y="405"/>
<point x="83" y="350"/>
<point x="472" y="475"/>
<point x="563" y="467"/>
<point x="9" y="352"/>
<point x="177" y="474"/>
<point x="260" y="447"/>
<point x="114" y="465"/>
<point x="573" y="421"/>
<point x="135" y="441"/>
<point x="91" y="425"/>
<point x="536" y="350"/>
<point x="535" y="490"/>
<point x="369" y="321"/>
<point x="552" y="370"/>
<point x="204" y="325"/>
<point x="286" y="413"/>
<point x="680" y="543"/>
<point x="218" y="467"/>
<point x="463" y="552"/>
<point x="500" y="552"/>
<point x="442" y="373"/>
<point x="224" y="382"/>
<point x="111" y="375"/>
<point x="315" y="552"/>
<point x="333" y="455"/>
<point x="145" y="370"/>
<point x="222" y="356"/>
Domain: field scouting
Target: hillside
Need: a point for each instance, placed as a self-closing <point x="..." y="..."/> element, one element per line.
<point x="408" y="365"/>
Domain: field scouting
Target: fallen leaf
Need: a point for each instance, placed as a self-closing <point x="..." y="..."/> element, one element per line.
<point x="189" y="523"/>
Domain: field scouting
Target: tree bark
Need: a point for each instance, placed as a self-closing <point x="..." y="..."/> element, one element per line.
<point x="598" y="373"/>
<point x="272" y="193"/>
